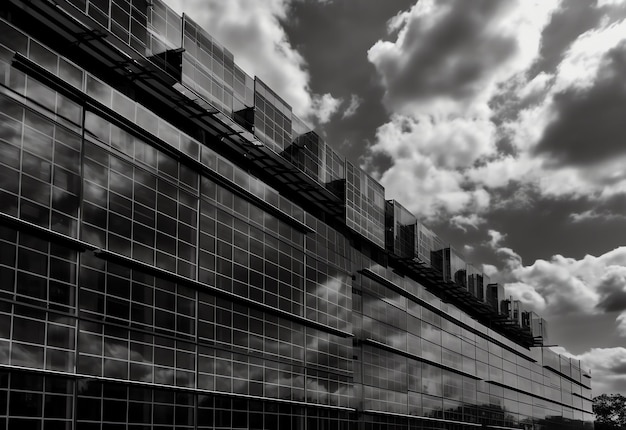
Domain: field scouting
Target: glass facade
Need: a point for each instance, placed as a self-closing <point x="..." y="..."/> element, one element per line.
<point x="157" y="269"/>
<point x="365" y="205"/>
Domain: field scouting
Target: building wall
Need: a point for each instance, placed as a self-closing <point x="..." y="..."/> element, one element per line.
<point x="149" y="281"/>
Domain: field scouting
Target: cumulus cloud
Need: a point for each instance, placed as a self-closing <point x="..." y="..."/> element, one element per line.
<point x="430" y="156"/>
<point x="563" y="286"/>
<point x="566" y="142"/>
<point x="448" y="61"/>
<point x="567" y="285"/>
<point x="447" y="50"/>
<point x="495" y="238"/>
<point x="253" y="32"/>
<point x="476" y="107"/>
<point x="325" y="106"/>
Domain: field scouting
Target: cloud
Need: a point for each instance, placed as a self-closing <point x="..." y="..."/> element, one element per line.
<point x="444" y="50"/>
<point x="429" y="155"/>
<point x="495" y="238"/>
<point x="464" y="222"/>
<point x="570" y="21"/>
<point x="565" y="141"/>
<point x="325" y="106"/>
<point x="595" y="215"/>
<point x="589" y="123"/>
<point x="527" y="295"/>
<point x="617" y="4"/>
<point x="448" y="61"/>
<point x="467" y="129"/>
<point x="253" y="32"/>
<point x="612" y="287"/>
<point x="566" y="286"/>
<point x="355" y="102"/>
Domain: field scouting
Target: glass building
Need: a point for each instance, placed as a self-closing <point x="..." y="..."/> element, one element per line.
<point x="179" y="250"/>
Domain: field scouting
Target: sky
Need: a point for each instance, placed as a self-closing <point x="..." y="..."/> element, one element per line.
<point x="501" y="125"/>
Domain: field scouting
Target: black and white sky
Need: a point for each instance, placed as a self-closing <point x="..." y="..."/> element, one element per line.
<point x="501" y="124"/>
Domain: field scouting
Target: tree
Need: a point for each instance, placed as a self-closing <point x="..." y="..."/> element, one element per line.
<point x="610" y="411"/>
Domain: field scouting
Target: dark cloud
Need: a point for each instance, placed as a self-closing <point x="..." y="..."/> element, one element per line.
<point x="589" y="127"/>
<point x="333" y="38"/>
<point x="570" y="21"/>
<point x="613" y="292"/>
<point x="452" y="57"/>
<point x="619" y="368"/>
<point x="566" y="25"/>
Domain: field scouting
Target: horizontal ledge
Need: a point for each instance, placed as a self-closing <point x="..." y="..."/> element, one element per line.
<point x="29" y="227"/>
<point x="389" y="348"/>
<point x="418" y="417"/>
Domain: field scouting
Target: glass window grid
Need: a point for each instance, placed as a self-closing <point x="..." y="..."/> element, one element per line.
<point x="328" y="388"/>
<point x="467" y="363"/>
<point x="327" y="245"/>
<point x="250" y="331"/>
<point x="35" y="338"/>
<point x="40" y="171"/>
<point x="34" y="400"/>
<point x="365" y="205"/>
<point x="130" y="229"/>
<point x="328" y="295"/>
<point x="249" y="183"/>
<point x="451" y="389"/>
<point x="124" y="18"/>
<point x="152" y="123"/>
<point x="238" y="256"/>
<point x="36" y="95"/>
<point x="117" y="294"/>
<point x="140" y="152"/>
<point x="304" y="151"/>
<point x="454" y="316"/>
<point x="452" y="332"/>
<point x="164" y="28"/>
<point x="211" y="55"/>
<point x="334" y="169"/>
<point x="388" y="371"/>
<point x="117" y="352"/>
<point x="109" y="98"/>
<point x="207" y="85"/>
<point x="385" y="294"/>
<point x="327" y="351"/>
<point x="379" y="309"/>
<point x="400" y="227"/>
<point x="272" y="118"/>
<point x="53" y="287"/>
